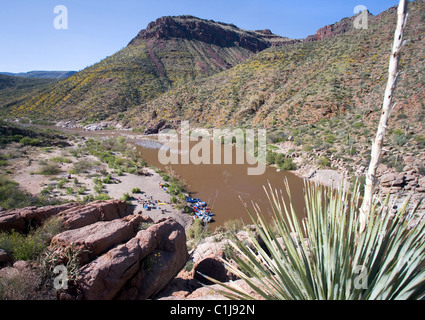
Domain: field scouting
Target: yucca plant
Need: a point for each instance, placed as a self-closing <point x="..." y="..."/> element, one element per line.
<point x="325" y="256"/>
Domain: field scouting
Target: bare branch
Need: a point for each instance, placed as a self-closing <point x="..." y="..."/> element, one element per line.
<point x="385" y="115"/>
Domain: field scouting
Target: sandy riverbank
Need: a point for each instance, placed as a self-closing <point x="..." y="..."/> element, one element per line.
<point x="25" y="170"/>
<point x="150" y="189"/>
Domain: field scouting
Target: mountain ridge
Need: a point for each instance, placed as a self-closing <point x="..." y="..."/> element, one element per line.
<point x="166" y="67"/>
<point x="41" y="74"/>
<point x="217" y="33"/>
<point x="293" y="82"/>
<point x="150" y="65"/>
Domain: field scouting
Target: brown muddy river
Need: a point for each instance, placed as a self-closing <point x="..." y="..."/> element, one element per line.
<point x="226" y="188"/>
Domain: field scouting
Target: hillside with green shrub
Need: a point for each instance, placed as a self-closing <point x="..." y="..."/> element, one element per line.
<point x="323" y="92"/>
<point x="153" y="63"/>
<point x="14" y="90"/>
<point x="306" y="82"/>
<point x="323" y="95"/>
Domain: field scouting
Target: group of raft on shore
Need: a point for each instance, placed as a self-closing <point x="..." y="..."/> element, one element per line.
<point x="149" y="204"/>
<point x="200" y="209"/>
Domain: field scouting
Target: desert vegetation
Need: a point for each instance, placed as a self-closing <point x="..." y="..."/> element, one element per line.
<point x="347" y="248"/>
<point x="327" y="257"/>
<point x="353" y="244"/>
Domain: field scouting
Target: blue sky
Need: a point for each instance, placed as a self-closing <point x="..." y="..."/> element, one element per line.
<point x="99" y="28"/>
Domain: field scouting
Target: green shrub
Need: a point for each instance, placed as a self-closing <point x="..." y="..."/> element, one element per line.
<point x="108" y="179"/>
<point x="19" y="246"/>
<point x="195" y="232"/>
<point x="98" y="188"/>
<point x="127" y="197"/>
<point x="287" y="165"/>
<point x="82" y="166"/>
<point x="3" y="162"/>
<point x="189" y="265"/>
<point x="400" y="139"/>
<point x="358" y="125"/>
<point x="50" y="169"/>
<point x="12" y="197"/>
<point x="234" y="226"/>
<point x="279" y="159"/>
<point x="324" y="162"/>
<point x="81" y="190"/>
<point x="90" y="198"/>
<point x="271" y="157"/>
<point x="61" y="159"/>
<point x="174" y="199"/>
<point x="136" y="190"/>
<point x="28" y="247"/>
<point x="27" y="141"/>
<point x="47" y="190"/>
<point x="61" y="184"/>
<point x="330" y="138"/>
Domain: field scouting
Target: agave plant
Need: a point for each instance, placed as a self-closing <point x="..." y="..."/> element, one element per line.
<point x="326" y="256"/>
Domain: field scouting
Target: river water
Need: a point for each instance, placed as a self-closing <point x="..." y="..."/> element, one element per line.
<point x="226" y="188"/>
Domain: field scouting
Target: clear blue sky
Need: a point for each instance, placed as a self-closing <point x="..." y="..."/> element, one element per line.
<point x="99" y="28"/>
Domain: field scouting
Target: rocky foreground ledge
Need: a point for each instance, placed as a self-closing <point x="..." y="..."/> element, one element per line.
<point x="121" y="255"/>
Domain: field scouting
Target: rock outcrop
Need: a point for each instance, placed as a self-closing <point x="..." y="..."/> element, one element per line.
<point x="208" y="31"/>
<point x="96" y="239"/>
<point x="116" y="259"/>
<point x="212" y="267"/>
<point x="21" y="219"/>
<point x="156" y="126"/>
<point x="74" y="215"/>
<point x="341" y="27"/>
<point x="139" y="268"/>
<point x="207" y="260"/>
<point x="83" y="215"/>
<point x="408" y="180"/>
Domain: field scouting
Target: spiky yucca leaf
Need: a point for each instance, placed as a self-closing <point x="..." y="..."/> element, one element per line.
<point x="325" y="256"/>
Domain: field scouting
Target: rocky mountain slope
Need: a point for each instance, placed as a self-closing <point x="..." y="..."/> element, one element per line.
<point x="319" y="97"/>
<point x="216" y="74"/>
<point x="337" y="71"/>
<point x="170" y="52"/>
<point x="322" y="93"/>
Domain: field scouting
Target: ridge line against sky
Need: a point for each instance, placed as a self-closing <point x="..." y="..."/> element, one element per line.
<point x="97" y="29"/>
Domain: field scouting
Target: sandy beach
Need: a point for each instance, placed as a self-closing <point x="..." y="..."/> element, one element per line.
<point x="75" y="187"/>
<point x="150" y="190"/>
